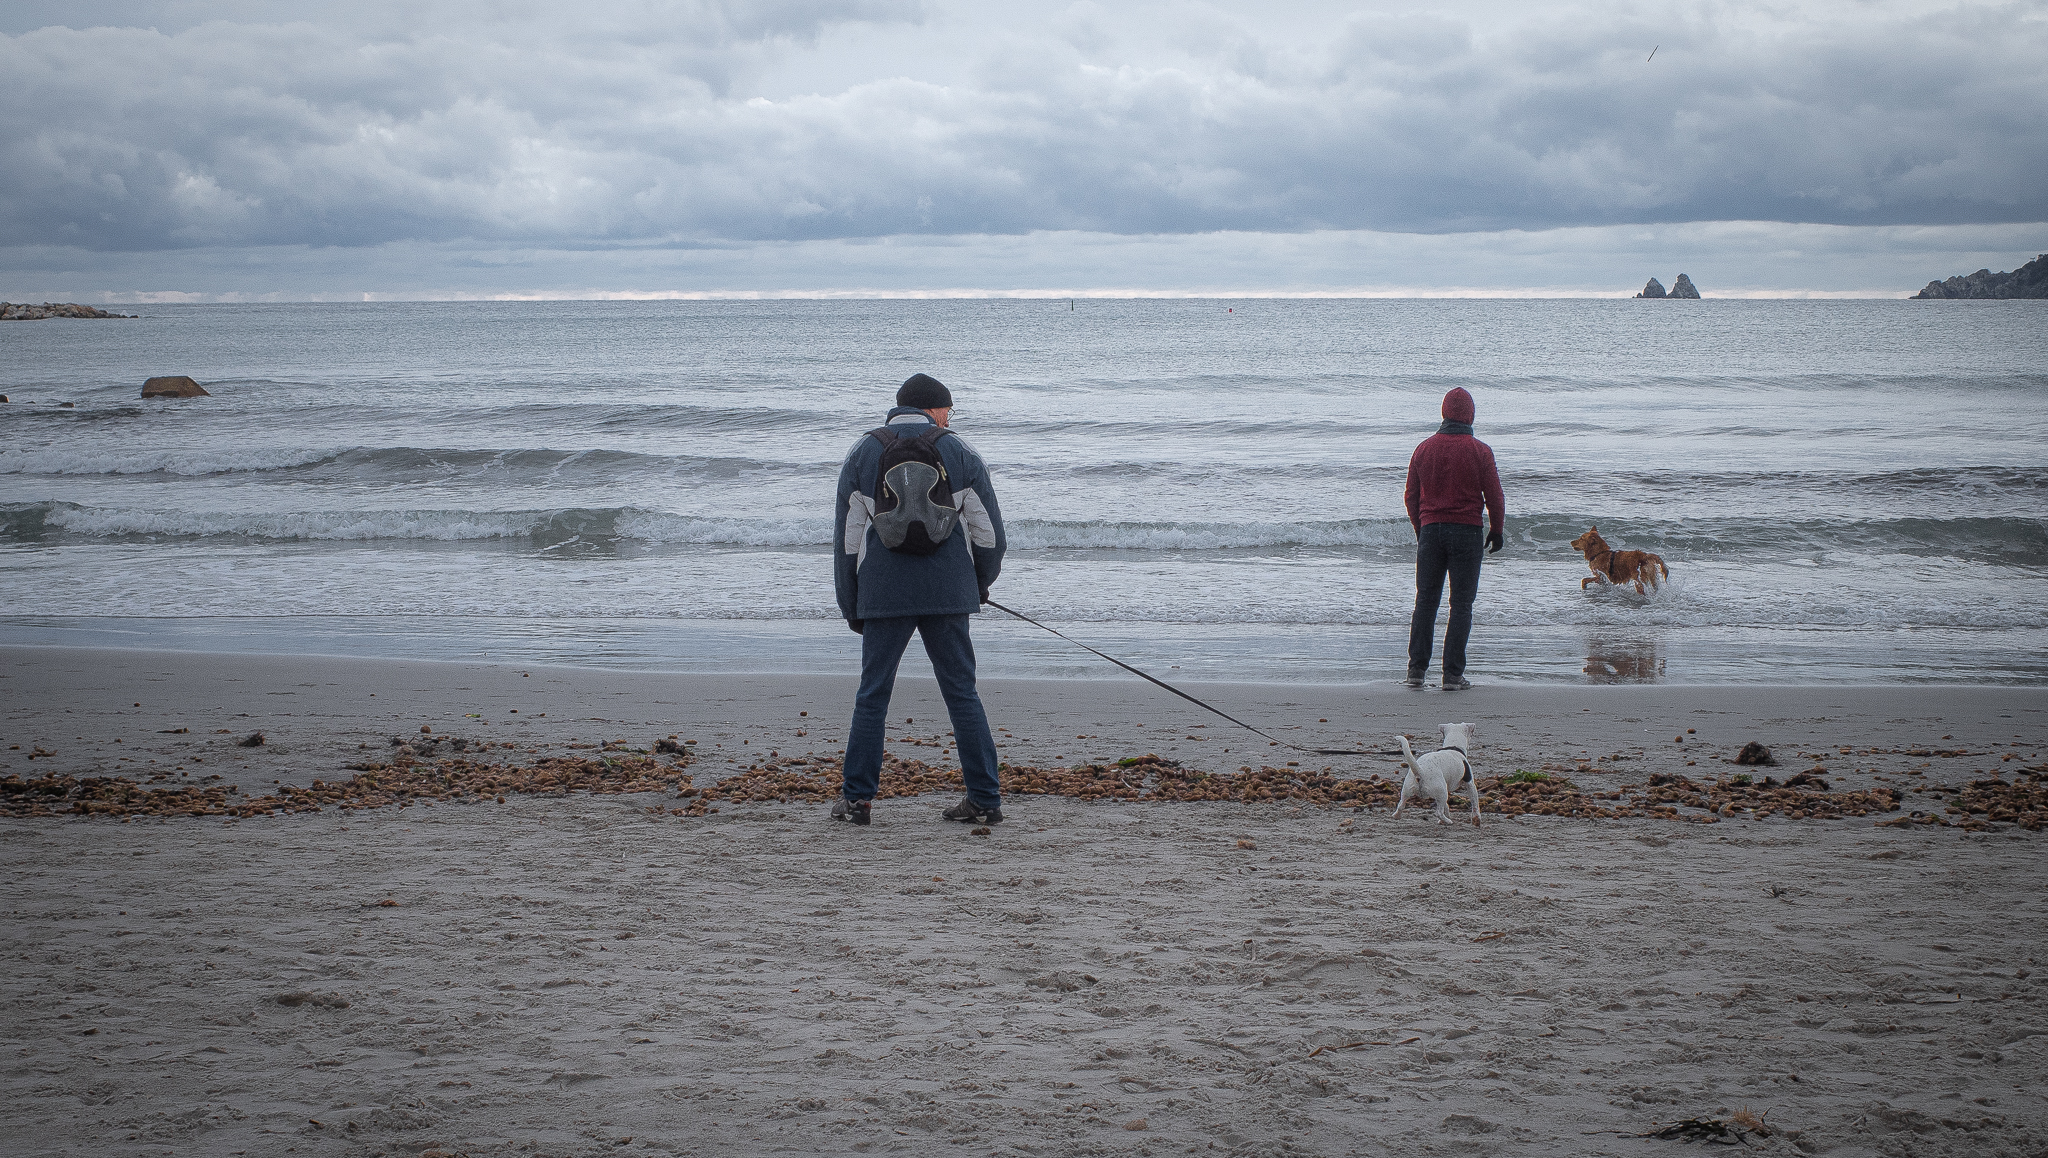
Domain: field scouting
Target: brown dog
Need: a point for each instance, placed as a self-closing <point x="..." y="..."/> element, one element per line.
<point x="1618" y="567"/>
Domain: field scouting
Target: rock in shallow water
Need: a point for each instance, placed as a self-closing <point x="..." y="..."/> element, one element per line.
<point x="173" y="386"/>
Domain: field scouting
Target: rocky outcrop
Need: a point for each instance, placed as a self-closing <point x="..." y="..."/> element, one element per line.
<point x="12" y="312"/>
<point x="175" y="386"/>
<point x="1682" y="288"/>
<point x="2028" y="281"/>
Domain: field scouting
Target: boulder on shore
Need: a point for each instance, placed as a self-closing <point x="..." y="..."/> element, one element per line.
<point x="1683" y="288"/>
<point x="173" y="386"/>
<point x="2028" y="281"/>
<point x="22" y="312"/>
<point x="1655" y="289"/>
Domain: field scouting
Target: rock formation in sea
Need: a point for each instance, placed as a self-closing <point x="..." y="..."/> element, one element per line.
<point x="2028" y="281"/>
<point x="1682" y="288"/>
<point x="173" y="386"/>
<point x="13" y="312"/>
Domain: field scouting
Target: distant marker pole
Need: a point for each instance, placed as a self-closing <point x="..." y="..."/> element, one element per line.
<point x="1653" y="54"/>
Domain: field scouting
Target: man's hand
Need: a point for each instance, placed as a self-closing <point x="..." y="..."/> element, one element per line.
<point x="1495" y="542"/>
<point x="984" y="595"/>
<point x="856" y="624"/>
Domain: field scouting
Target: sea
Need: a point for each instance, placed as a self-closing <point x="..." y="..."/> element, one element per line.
<point x="1845" y="492"/>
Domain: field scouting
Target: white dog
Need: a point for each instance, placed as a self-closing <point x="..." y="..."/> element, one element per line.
<point x="1442" y="772"/>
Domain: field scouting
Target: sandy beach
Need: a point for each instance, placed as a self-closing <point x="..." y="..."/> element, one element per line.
<point x="585" y="974"/>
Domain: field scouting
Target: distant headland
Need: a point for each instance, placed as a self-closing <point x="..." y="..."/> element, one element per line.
<point x="2028" y="281"/>
<point x="1682" y="288"/>
<point x="11" y="312"/>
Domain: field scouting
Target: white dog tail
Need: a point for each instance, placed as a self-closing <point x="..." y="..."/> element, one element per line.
<point x="1407" y="751"/>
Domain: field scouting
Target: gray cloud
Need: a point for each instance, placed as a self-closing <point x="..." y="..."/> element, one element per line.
<point x="633" y="125"/>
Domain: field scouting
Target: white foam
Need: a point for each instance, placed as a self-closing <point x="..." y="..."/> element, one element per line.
<point x="330" y="525"/>
<point x="122" y="460"/>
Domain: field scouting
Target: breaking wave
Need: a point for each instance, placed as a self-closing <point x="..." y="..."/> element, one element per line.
<point x="2020" y="542"/>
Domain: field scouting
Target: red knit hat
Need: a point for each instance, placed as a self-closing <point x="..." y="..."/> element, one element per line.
<point x="1458" y="405"/>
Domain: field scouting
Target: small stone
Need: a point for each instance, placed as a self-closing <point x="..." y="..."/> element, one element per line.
<point x="252" y="740"/>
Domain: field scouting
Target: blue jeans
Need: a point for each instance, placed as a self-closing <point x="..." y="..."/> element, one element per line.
<point x="952" y="654"/>
<point x="1452" y="549"/>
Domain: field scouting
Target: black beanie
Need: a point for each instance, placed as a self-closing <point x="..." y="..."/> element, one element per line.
<point x="924" y="392"/>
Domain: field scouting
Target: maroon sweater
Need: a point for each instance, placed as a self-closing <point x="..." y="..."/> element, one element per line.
<point x="1448" y="478"/>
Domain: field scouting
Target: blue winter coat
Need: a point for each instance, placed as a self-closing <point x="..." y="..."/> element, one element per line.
<point x="874" y="582"/>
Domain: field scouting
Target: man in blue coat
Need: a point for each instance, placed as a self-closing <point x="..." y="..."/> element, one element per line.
<point x="919" y="540"/>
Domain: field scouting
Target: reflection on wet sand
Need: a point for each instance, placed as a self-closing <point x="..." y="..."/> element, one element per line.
<point x="1623" y="661"/>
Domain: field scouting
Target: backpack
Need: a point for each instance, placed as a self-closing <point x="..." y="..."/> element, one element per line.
<point x="914" y="512"/>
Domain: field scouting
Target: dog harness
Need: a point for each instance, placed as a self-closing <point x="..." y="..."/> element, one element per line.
<point x="1608" y="570"/>
<point x="1467" y="761"/>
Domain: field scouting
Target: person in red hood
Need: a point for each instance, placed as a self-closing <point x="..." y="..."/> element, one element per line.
<point x="1450" y="477"/>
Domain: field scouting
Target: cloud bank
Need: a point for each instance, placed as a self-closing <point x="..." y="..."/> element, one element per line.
<point x="627" y="129"/>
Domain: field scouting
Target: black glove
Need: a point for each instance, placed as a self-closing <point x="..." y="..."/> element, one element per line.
<point x="984" y="595"/>
<point x="856" y="624"/>
<point x="1495" y="542"/>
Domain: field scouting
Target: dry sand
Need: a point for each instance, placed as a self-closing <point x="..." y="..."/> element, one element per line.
<point x="557" y="975"/>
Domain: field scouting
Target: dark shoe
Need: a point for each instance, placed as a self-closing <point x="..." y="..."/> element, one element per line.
<point x="1414" y="679"/>
<point x="1456" y="683"/>
<point x="858" y="811"/>
<point x="968" y="812"/>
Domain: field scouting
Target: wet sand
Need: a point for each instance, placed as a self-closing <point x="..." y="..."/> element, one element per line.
<point x="555" y="974"/>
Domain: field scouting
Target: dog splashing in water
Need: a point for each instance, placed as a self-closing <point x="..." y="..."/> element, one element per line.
<point x="1618" y="567"/>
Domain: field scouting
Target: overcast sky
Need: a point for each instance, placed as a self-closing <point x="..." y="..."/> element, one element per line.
<point x="218" y="149"/>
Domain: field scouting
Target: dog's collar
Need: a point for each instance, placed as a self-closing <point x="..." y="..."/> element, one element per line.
<point x="1454" y="748"/>
<point x="1608" y="570"/>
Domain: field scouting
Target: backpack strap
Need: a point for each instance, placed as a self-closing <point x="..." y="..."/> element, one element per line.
<point x="889" y="438"/>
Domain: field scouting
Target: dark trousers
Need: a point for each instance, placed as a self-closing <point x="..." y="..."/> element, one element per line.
<point x="1452" y="549"/>
<point x="882" y="642"/>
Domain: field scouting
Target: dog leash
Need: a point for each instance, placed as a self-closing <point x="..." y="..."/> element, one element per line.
<point x="1191" y="699"/>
